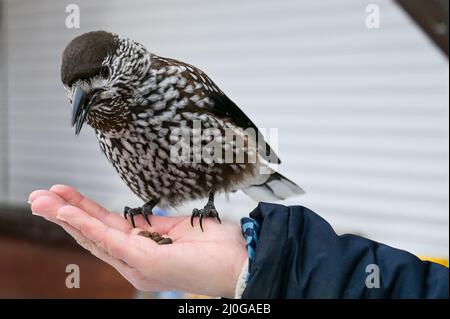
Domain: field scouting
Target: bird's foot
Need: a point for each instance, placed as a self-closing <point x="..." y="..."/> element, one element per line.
<point x="145" y="211"/>
<point x="208" y="211"/>
<point x="156" y="237"/>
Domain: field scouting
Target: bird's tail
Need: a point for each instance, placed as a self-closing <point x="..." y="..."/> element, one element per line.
<point x="275" y="187"/>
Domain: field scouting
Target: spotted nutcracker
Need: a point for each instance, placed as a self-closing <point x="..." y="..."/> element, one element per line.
<point x="138" y="103"/>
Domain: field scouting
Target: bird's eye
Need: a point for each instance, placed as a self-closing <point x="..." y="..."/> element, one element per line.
<point x="104" y="72"/>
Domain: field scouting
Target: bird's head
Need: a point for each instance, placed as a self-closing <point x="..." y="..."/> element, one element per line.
<point x="99" y="71"/>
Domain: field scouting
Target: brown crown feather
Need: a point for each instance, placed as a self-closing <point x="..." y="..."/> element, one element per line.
<point x="83" y="56"/>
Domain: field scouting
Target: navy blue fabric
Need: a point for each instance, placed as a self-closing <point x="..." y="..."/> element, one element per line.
<point x="298" y="255"/>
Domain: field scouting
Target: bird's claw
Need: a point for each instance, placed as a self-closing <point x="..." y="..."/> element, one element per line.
<point x="208" y="211"/>
<point x="144" y="211"/>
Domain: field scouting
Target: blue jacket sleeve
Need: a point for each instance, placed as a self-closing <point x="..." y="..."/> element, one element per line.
<point x="298" y="255"/>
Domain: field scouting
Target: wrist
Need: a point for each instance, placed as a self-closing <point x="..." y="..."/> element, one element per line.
<point x="240" y="260"/>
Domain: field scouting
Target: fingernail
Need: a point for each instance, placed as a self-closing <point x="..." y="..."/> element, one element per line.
<point x="61" y="217"/>
<point x="36" y="214"/>
<point x="30" y="198"/>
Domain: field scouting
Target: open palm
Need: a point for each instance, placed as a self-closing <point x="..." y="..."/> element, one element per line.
<point x="206" y="262"/>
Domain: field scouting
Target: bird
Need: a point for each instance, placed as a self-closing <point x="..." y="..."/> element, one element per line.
<point x="146" y="110"/>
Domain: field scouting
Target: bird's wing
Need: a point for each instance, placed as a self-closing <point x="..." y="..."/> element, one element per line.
<point x="226" y="108"/>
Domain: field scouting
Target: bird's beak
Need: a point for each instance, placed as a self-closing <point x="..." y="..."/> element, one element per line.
<point x="80" y="108"/>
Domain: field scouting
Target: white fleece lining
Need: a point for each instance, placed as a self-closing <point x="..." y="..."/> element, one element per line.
<point x="240" y="285"/>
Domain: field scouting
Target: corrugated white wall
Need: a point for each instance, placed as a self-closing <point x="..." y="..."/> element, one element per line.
<point x="362" y="113"/>
<point x="3" y="111"/>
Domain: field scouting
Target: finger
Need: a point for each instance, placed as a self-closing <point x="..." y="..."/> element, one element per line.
<point x="47" y="206"/>
<point x="160" y="224"/>
<point x="119" y="265"/>
<point x="116" y="243"/>
<point x="46" y="203"/>
<point x="73" y="197"/>
<point x="156" y="226"/>
<point x="41" y="192"/>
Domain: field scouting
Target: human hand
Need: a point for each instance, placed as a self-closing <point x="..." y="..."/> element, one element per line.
<point x="207" y="263"/>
